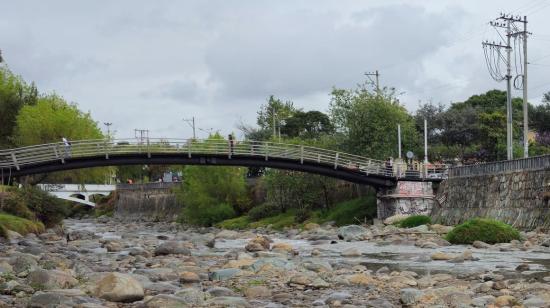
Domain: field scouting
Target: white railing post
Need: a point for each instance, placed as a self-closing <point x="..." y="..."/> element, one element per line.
<point x="336" y="160"/>
<point x="14" y="160"/>
<point x="148" y="149"/>
<point x="105" y="149"/>
<point x="302" y="155"/>
<point x="266" y="148"/>
<point x="189" y="143"/>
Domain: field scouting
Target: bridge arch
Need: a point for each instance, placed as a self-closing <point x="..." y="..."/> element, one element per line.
<point x="98" y="153"/>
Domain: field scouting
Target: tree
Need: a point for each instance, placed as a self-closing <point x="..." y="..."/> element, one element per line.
<point x="274" y="111"/>
<point x="52" y="118"/>
<point x="369" y="122"/>
<point x="211" y="194"/>
<point x="14" y="94"/>
<point x="308" y="125"/>
<point x="434" y="116"/>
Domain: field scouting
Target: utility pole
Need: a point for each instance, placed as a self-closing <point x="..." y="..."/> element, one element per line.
<point x="191" y="123"/>
<point x="425" y="141"/>
<point x="108" y="124"/>
<point x="399" y="140"/>
<point x="494" y="58"/>
<point x="377" y="82"/>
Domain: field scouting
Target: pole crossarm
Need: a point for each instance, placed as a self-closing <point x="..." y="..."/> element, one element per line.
<point x="170" y="151"/>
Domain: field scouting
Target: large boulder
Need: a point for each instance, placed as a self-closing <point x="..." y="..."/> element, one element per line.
<point x="81" y="235"/>
<point x="353" y="233"/>
<point x="117" y="287"/>
<point x="259" y="243"/>
<point x="50" y="300"/>
<point x="23" y="262"/>
<point x="51" y="279"/>
<point x="173" y="248"/>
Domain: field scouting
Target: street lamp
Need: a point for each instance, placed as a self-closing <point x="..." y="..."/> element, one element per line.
<point x="108" y="124"/>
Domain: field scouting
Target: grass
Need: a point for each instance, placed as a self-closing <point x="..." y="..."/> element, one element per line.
<point x="486" y="230"/>
<point x="414" y="221"/>
<point x="237" y="223"/>
<point x="277" y="222"/>
<point x="20" y="225"/>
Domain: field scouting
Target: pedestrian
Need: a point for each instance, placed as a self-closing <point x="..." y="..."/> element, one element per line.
<point x="389" y="166"/>
<point x="67" y="145"/>
<point x="231" y="143"/>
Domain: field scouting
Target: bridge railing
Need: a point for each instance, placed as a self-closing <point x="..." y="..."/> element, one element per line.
<point x="531" y="163"/>
<point x="20" y="157"/>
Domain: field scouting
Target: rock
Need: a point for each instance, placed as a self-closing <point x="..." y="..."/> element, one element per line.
<point x="467" y="255"/>
<point x="14" y="287"/>
<point x="300" y="279"/>
<point x="505" y="300"/>
<point x="192" y="296"/>
<point x="158" y="274"/>
<point x="259" y="243"/>
<point x="410" y="296"/>
<point x="172" y="248"/>
<point x="117" y="287"/>
<point x="483" y="301"/>
<point x="50" y="300"/>
<point x="420" y="229"/>
<point x="350" y="252"/>
<point x="311" y="226"/>
<point x="340" y="297"/>
<point x="5" y="268"/>
<point x="189" y="277"/>
<point x="499" y="285"/>
<point x="242" y="263"/>
<point x="353" y="233"/>
<point x="220" y="291"/>
<point x="282" y="247"/>
<point x="401" y="281"/>
<point x="360" y="279"/>
<point x="535" y="302"/>
<point x="440" y="229"/>
<point x="50" y="279"/>
<point x="379" y="303"/>
<point x="430" y="245"/>
<point x="383" y="270"/>
<point x="457" y="259"/>
<point x="166" y="301"/>
<point x="113" y="246"/>
<point x="319" y="283"/>
<point x="81" y="235"/>
<point x="223" y="274"/>
<point x="394" y="219"/>
<point x="23" y="262"/>
<point x="228" y="234"/>
<point x="227" y="301"/>
<point x="522" y="267"/>
<point x="138" y="251"/>
<point x="257" y="292"/>
<point x="441" y="256"/>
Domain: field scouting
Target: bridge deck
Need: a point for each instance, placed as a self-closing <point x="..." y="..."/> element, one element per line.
<point x="91" y="153"/>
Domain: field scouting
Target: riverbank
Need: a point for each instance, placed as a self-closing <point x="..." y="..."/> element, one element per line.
<point x="105" y="263"/>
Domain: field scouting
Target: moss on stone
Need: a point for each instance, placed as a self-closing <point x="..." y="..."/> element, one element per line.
<point x="486" y="230"/>
<point x="414" y="221"/>
<point x="20" y="225"/>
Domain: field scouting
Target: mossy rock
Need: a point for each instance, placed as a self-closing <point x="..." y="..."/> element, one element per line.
<point x="414" y="221"/>
<point x="480" y="229"/>
<point x="20" y="225"/>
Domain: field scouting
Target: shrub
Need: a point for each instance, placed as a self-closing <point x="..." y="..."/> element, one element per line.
<point x="263" y="210"/>
<point x="235" y="223"/>
<point x="277" y="222"/>
<point x="19" y="225"/>
<point x="105" y="205"/>
<point x="207" y="215"/>
<point x="486" y="230"/>
<point x="302" y="215"/>
<point x="15" y="204"/>
<point x="46" y="208"/>
<point x="351" y="211"/>
<point x="3" y="232"/>
<point x="414" y="221"/>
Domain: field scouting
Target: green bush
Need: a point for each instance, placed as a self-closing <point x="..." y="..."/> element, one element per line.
<point x="349" y="212"/>
<point x="302" y="215"/>
<point x="3" y="231"/>
<point x="277" y="222"/>
<point x="105" y="205"/>
<point x="486" y="230"/>
<point x="414" y="221"/>
<point x="238" y="223"/>
<point x="46" y="208"/>
<point x="19" y="225"/>
<point x="207" y="215"/>
<point x="263" y="210"/>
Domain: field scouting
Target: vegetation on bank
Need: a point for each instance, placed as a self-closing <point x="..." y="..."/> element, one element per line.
<point x="414" y="221"/>
<point x="20" y="225"/>
<point x="480" y="229"/>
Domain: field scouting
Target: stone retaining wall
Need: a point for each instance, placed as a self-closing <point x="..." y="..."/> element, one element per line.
<point x="144" y="203"/>
<point x="521" y="199"/>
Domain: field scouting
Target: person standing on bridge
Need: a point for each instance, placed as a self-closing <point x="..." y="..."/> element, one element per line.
<point x="67" y="145"/>
<point x="389" y="166"/>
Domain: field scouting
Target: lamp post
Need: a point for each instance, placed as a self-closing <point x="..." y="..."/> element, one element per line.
<point x="108" y="124"/>
<point x="191" y="123"/>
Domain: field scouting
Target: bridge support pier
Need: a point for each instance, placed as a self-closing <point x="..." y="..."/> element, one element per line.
<point x="406" y="198"/>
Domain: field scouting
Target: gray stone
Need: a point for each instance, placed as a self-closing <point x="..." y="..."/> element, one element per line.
<point x="483" y="301"/>
<point x="379" y="303"/>
<point x="410" y="296"/>
<point x="50" y="300"/>
<point x="172" y="247"/>
<point x="23" y="262"/>
<point x="227" y="301"/>
<point x="353" y="233"/>
<point x="197" y="297"/>
<point x="81" y="235"/>
<point x="50" y="279"/>
<point x="535" y="302"/>
<point x="341" y="297"/>
<point x="223" y="274"/>
<point x="117" y="287"/>
<point x="220" y="292"/>
<point x="166" y="301"/>
<point x="480" y="244"/>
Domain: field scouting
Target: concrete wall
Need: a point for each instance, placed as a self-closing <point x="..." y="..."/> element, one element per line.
<point x="146" y="202"/>
<point x="520" y="198"/>
<point x="407" y="198"/>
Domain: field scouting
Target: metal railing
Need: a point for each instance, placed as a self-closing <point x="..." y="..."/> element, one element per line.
<point x="15" y="159"/>
<point x="532" y="163"/>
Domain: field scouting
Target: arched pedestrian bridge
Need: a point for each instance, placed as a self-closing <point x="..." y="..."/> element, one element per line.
<point x="52" y="157"/>
<point x="80" y="193"/>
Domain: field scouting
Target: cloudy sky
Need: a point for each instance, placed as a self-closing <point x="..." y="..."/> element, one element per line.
<point x="149" y="64"/>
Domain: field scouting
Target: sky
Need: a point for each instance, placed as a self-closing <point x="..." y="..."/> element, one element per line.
<point x="151" y="64"/>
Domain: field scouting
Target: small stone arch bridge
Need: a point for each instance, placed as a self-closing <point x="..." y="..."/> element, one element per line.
<point x="44" y="158"/>
<point x="81" y="193"/>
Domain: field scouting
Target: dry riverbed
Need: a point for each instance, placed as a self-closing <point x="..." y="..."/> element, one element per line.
<point x="108" y="263"/>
